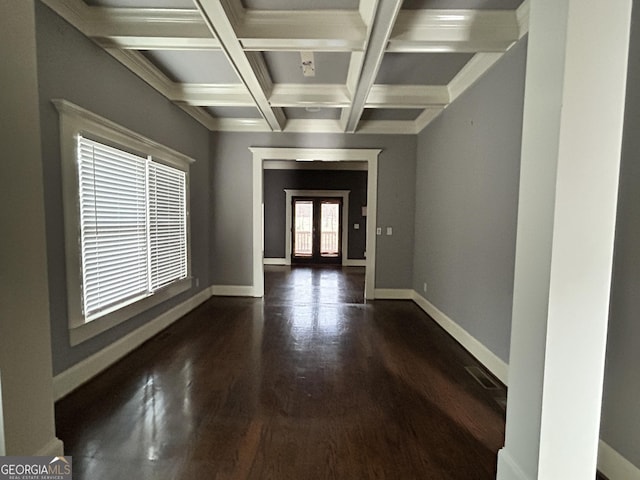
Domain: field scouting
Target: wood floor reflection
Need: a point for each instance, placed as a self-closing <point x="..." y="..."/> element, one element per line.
<point x="309" y="383"/>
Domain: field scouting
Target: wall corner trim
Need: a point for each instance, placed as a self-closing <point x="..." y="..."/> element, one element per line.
<point x="615" y="466"/>
<point x="485" y="356"/>
<point x="67" y="381"/>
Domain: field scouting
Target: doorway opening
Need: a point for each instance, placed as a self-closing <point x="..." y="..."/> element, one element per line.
<point x="316" y="236"/>
<point x="261" y="154"/>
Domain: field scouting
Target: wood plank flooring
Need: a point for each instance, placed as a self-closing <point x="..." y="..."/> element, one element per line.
<point x="309" y="383"/>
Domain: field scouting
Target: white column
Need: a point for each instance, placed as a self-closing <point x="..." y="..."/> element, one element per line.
<point x="25" y="339"/>
<point x="572" y="132"/>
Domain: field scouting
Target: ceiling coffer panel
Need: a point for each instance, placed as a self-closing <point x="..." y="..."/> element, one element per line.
<point x="312" y="113"/>
<point x="420" y="68"/>
<point x="233" y="112"/>
<point x="287" y="67"/>
<point x="194" y="66"/>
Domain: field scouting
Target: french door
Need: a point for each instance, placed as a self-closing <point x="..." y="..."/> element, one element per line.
<point x="316" y="230"/>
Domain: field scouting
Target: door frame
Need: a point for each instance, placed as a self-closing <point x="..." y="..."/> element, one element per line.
<point x="343" y="194"/>
<point x="369" y="155"/>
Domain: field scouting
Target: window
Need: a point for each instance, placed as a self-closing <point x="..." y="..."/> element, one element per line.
<point x="126" y="221"/>
<point x="133" y="226"/>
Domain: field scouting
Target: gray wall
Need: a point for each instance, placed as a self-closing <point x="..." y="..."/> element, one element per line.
<point x="231" y="191"/>
<point x="276" y="181"/>
<point x="466" y="204"/>
<point x="73" y="68"/>
<point x="621" y="410"/>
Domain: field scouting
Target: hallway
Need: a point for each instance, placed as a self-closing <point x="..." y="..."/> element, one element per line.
<point x="309" y="383"/>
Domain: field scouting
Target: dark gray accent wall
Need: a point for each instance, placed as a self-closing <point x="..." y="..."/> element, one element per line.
<point x="73" y="68"/>
<point x="468" y="164"/>
<point x="231" y="191"/>
<point x="275" y="183"/>
<point x="620" y="426"/>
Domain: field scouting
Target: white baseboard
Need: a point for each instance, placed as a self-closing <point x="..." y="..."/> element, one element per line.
<point x="393" y="294"/>
<point x="353" y="262"/>
<point x="614" y="466"/>
<point x="274" y="261"/>
<point x="485" y="356"/>
<point x="53" y="448"/>
<point x="232" y="291"/>
<point x="508" y="469"/>
<point x="67" y="381"/>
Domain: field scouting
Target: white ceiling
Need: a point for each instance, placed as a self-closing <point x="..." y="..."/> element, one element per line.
<point x="381" y="66"/>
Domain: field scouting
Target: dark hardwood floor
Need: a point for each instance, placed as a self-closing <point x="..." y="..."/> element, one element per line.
<point x="309" y="383"/>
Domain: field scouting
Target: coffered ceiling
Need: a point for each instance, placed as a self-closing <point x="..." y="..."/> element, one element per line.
<point x="372" y="66"/>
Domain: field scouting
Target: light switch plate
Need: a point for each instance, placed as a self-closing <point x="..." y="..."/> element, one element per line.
<point x="379" y="231"/>
<point x="389" y="230"/>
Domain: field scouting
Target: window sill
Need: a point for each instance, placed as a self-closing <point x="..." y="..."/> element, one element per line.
<point x="81" y="333"/>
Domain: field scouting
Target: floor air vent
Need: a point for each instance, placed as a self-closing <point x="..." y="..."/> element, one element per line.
<point x="482" y="378"/>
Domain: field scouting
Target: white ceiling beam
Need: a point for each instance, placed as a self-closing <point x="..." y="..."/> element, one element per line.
<point x="380" y="32"/>
<point x="407" y="96"/>
<point x="150" y="29"/>
<point x="250" y="68"/>
<point x="211" y="95"/>
<point x="454" y="31"/>
<point x="305" y="95"/>
<point x="327" y="30"/>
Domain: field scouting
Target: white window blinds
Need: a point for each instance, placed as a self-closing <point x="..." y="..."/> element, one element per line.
<point x="133" y="226"/>
<point x="167" y="225"/>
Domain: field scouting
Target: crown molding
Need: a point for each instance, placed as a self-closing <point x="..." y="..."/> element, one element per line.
<point x="427" y="116"/>
<point x="76" y="12"/>
<point x="407" y="96"/>
<point x="143" y="68"/>
<point x="471" y="72"/>
<point x="522" y="14"/>
<point x="454" y="31"/>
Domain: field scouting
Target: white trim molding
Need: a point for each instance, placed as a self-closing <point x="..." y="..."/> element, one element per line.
<point x="355" y="262"/>
<point x="485" y="356"/>
<point x="232" y="291"/>
<point x="394" y="294"/>
<point x="67" y="381"/>
<point x="275" y="261"/>
<point x="261" y="154"/>
<point x="614" y="466"/>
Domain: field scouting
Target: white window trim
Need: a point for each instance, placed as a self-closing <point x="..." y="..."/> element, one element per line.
<point x="75" y="121"/>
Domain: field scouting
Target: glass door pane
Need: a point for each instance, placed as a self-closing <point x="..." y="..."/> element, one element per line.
<point x="303" y="228"/>
<point x="330" y="229"/>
